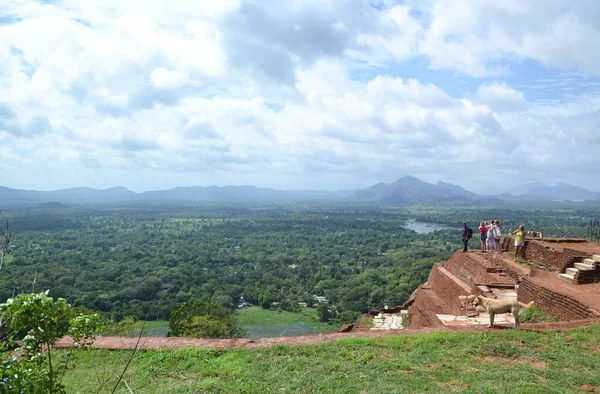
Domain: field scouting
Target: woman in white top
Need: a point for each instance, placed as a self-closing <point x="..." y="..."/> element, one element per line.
<point x="491" y="237"/>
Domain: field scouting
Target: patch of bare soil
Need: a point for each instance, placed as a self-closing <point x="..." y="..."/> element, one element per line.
<point x="150" y="343"/>
<point x="535" y="362"/>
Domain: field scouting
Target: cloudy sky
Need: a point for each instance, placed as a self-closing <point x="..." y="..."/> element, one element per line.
<point x="297" y="94"/>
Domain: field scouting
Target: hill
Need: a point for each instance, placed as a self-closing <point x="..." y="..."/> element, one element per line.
<point x="407" y="190"/>
<point x="560" y="191"/>
<point x="410" y="190"/>
<point x="83" y="195"/>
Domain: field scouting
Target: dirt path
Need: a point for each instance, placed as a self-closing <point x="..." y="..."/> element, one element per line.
<point x="152" y="343"/>
<point x="115" y="343"/>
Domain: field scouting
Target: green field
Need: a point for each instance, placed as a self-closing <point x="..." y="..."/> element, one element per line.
<point x="158" y="328"/>
<point x="264" y="323"/>
<point x="508" y="361"/>
<point x="261" y="323"/>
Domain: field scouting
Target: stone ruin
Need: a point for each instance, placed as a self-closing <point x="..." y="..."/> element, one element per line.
<point x="561" y="275"/>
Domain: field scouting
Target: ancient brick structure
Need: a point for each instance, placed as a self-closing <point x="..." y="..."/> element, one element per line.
<point x="543" y="253"/>
<point x="477" y="273"/>
<point x="587" y="277"/>
<point x="566" y="307"/>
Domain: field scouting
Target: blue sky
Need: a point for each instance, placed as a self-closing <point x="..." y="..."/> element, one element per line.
<point x="297" y="94"/>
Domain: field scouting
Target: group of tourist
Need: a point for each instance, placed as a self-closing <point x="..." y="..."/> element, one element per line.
<point x="490" y="234"/>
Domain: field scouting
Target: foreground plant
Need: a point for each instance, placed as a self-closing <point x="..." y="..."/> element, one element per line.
<point x="34" y="322"/>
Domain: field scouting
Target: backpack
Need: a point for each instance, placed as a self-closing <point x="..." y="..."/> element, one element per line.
<point x="469" y="232"/>
<point x="498" y="232"/>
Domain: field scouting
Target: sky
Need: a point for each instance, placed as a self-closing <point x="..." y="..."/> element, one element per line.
<point x="298" y="94"/>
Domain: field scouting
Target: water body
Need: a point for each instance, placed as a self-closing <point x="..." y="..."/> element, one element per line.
<point x="425" y="228"/>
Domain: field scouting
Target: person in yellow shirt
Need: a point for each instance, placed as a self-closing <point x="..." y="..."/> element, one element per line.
<point x="519" y="242"/>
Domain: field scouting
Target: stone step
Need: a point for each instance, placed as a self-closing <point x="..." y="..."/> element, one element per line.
<point x="589" y="261"/>
<point x="567" y="277"/>
<point x="596" y="257"/>
<point x="585" y="267"/>
<point x="571" y="271"/>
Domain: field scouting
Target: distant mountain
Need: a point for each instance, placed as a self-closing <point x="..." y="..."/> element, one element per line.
<point x="82" y="195"/>
<point x="240" y="193"/>
<point x="560" y="191"/>
<point x="410" y="190"/>
<point x="76" y="195"/>
<point x="405" y="191"/>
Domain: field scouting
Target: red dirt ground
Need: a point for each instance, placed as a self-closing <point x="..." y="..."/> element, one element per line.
<point x="152" y="343"/>
<point x="587" y="247"/>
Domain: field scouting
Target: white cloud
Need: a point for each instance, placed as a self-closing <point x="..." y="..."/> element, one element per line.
<point x="313" y="93"/>
<point x="501" y="97"/>
<point x="164" y="79"/>
<point x="477" y="38"/>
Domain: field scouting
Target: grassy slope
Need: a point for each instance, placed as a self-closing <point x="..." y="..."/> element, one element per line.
<point x="262" y="323"/>
<point x="509" y="361"/>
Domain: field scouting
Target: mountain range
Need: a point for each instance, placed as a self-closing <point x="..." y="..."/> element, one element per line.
<point x="405" y="191"/>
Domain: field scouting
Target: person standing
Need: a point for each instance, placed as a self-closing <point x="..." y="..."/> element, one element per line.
<point x="465" y="236"/>
<point x="491" y="238"/>
<point x="498" y="235"/>
<point x="483" y="236"/>
<point x="519" y="242"/>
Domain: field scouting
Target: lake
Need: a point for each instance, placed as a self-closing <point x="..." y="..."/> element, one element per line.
<point x="425" y="228"/>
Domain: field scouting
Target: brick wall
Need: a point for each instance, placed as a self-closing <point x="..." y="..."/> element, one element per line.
<point x="448" y="287"/>
<point x="475" y="269"/>
<point x="427" y="299"/>
<point x="539" y="253"/>
<point x="468" y="269"/>
<point x="424" y="319"/>
<point x="557" y="304"/>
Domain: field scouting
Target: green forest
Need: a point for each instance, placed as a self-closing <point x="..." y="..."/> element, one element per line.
<point x="148" y="260"/>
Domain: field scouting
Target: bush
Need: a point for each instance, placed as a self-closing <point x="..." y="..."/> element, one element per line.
<point x="43" y="321"/>
<point x="348" y="317"/>
<point x="202" y="319"/>
<point x="325" y="312"/>
<point x="127" y="326"/>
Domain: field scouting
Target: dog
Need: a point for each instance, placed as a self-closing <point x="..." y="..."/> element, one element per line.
<point x="466" y="300"/>
<point x="536" y="235"/>
<point x="496" y="307"/>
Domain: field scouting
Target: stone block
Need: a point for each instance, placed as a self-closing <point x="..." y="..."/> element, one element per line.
<point x="571" y="271"/>
<point x="585" y="267"/>
<point x="567" y="277"/>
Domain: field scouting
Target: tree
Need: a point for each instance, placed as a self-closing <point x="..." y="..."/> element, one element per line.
<point x="325" y="312"/>
<point x="290" y="305"/>
<point x="266" y="299"/>
<point x="202" y="319"/>
<point x="225" y="301"/>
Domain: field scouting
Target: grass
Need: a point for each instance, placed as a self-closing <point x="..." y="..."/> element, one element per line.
<point x="508" y="361"/>
<point x="157" y="328"/>
<point x="535" y="314"/>
<point x="265" y="323"/>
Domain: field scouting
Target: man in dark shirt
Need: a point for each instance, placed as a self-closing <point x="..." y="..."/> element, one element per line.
<point x="465" y="236"/>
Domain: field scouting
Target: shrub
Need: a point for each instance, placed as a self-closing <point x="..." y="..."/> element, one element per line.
<point x="37" y="321"/>
<point x="536" y="314"/>
<point x="204" y="319"/>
